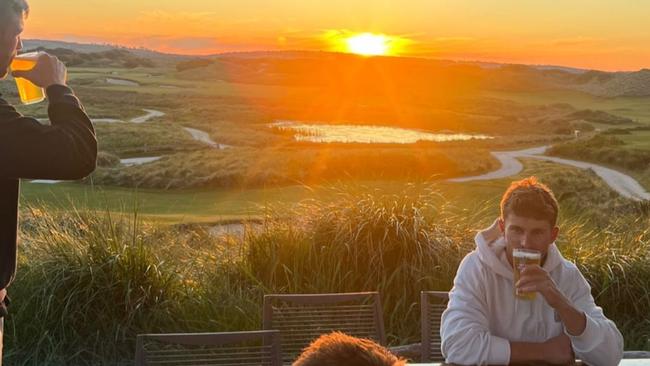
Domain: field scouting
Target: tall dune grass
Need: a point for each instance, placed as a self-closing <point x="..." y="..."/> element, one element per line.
<point x="397" y="244"/>
<point x="616" y="261"/>
<point x="89" y="282"/>
<point x="86" y="284"/>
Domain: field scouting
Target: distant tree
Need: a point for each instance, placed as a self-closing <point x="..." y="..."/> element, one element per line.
<point x="131" y="64"/>
<point x="193" y="64"/>
<point x="136" y="62"/>
<point x="74" y="61"/>
<point x="145" y="62"/>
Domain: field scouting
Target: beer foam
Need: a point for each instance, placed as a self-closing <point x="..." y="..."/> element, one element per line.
<point x="527" y="255"/>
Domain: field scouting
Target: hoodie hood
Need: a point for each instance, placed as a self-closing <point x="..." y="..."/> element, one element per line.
<point x="491" y="245"/>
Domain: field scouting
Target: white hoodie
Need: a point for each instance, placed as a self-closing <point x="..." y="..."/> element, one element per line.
<point x="483" y="315"/>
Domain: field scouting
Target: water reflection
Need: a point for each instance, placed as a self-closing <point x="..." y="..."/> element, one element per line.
<point x="367" y="134"/>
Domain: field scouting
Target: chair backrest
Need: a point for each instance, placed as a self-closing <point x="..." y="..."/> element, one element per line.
<point x="242" y="348"/>
<point x="303" y="318"/>
<point x="432" y="303"/>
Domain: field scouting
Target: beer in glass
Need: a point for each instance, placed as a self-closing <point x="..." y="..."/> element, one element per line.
<point x="520" y="259"/>
<point x="29" y="93"/>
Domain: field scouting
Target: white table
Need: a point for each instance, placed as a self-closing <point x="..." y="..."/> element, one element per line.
<point x="626" y="362"/>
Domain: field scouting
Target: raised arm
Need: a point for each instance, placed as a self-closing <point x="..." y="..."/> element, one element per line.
<point x="594" y="338"/>
<point x="66" y="149"/>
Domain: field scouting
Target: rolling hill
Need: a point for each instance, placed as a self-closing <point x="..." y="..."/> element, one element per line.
<point x="318" y="69"/>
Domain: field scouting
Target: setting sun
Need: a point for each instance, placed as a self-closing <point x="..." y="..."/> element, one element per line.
<point x="368" y="44"/>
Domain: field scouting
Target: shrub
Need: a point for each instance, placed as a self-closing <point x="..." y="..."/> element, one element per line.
<point x="604" y="149"/>
<point x="91" y="284"/>
<point x="107" y="160"/>
<point x="193" y="64"/>
<point x="93" y="281"/>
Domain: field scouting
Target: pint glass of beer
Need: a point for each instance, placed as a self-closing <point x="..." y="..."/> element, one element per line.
<point x="29" y="93"/>
<point x="520" y="259"/>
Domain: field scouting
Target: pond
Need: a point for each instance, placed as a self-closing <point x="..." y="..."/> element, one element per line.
<point x="325" y="133"/>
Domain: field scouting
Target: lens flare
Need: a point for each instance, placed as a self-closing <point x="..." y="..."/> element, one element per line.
<point x="368" y="44"/>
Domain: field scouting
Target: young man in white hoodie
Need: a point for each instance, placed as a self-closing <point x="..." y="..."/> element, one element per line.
<point x="485" y="323"/>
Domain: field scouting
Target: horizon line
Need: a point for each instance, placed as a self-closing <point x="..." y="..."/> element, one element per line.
<point x="215" y="54"/>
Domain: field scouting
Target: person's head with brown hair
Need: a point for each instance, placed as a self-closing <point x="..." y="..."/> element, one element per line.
<point x="529" y="214"/>
<point x="530" y="198"/>
<point x="13" y="8"/>
<point x="12" y="20"/>
<point x="339" y="349"/>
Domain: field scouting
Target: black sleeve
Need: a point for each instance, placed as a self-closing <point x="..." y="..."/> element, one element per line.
<point x="9" y="192"/>
<point x="67" y="149"/>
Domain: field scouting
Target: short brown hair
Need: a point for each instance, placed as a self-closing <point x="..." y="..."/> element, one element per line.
<point x="339" y="349"/>
<point x="13" y="7"/>
<point x="530" y="198"/>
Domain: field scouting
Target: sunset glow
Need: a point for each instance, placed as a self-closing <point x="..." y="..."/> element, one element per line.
<point x="610" y="37"/>
<point x="368" y="44"/>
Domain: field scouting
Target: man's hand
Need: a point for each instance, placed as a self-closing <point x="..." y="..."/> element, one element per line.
<point x="49" y="70"/>
<point x="3" y="293"/>
<point x="558" y="351"/>
<point x="535" y="279"/>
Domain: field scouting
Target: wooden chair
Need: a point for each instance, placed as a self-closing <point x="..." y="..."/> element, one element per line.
<point x="432" y="303"/>
<point x="303" y="318"/>
<point x="242" y="348"/>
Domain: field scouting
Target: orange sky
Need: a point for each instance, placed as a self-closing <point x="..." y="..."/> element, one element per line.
<point x="603" y="34"/>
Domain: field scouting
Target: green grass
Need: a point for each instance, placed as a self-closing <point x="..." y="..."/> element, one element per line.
<point x="151" y="80"/>
<point x="94" y="280"/>
<point x="215" y="205"/>
<point x="286" y="165"/>
<point x="219" y="204"/>
<point x="635" y="108"/>
<point x="573" y="186"/>
<point x="628" y="153"/>
<point x="637" y="140"/>
<point x="126" y="139"/>
<point x="159" y="205"/>
<point x="237" y="114"/>
<point x="630" y="107"/>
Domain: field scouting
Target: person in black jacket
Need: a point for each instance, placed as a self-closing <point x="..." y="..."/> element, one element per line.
<point x="64" y="149"/>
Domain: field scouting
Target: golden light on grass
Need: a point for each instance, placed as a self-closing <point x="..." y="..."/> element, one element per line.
<point x="366" y="43"/>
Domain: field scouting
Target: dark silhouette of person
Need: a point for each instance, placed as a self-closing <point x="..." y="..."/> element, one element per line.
<point x="65" y="149"/>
